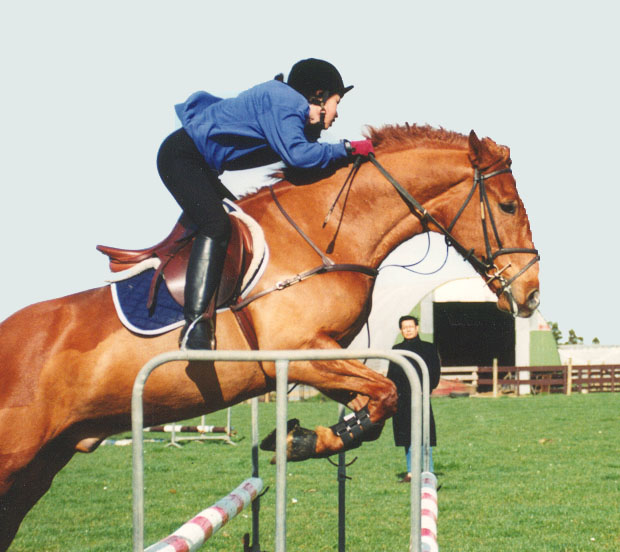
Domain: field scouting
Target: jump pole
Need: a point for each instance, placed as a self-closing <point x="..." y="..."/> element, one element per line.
<point x="206" y="432"/>
<point x="192" y="535"/>
<point x="174" y="428"/>
<point x="429" y="512"/>
<point x="137" y="419"/>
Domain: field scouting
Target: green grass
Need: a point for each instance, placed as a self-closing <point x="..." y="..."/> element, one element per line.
<point x="518" y="474"/>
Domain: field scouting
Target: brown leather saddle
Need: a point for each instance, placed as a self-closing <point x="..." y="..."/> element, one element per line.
<point x="173" y="254"/>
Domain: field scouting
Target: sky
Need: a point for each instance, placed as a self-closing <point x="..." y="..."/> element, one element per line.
<point x="89" y="88"/>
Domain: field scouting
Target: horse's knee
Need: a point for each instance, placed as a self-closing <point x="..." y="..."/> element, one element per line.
<point x="389" y="402"/>
<point x="383" y="402"/>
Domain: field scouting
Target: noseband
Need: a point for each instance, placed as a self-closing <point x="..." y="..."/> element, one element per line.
<point x="483" y="265"/>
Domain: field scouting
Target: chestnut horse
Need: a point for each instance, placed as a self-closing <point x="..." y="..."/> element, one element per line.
<point x="68" y="364"/>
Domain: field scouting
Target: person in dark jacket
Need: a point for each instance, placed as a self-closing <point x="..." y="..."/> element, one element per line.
<point x="269" y="122"/>
<point x="401" y="421"/>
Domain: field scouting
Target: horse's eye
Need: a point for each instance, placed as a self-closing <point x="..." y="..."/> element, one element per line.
<point x="509" y="207"/>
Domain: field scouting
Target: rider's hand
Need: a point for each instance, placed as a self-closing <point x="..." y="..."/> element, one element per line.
<point x="360" y="147"/>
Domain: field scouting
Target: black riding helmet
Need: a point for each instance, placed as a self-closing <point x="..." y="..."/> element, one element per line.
<point x="309" y="75"/>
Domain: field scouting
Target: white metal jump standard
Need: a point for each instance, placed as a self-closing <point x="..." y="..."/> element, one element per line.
<point x="282" y="359"/>
<point x="206" y="433"/>
<point x="426" y="407"/>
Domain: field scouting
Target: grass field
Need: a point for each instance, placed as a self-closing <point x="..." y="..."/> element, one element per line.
<point x="518" y="474"/>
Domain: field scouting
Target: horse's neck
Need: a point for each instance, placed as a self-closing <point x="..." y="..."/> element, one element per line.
<point x="376" y="218"/>
<point x="369" y="219"/>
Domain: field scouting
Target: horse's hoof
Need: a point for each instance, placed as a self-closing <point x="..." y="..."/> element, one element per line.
<point x="269" y="442"/>
<point x="301" y="445"/>
<point x="373" y="432"/>
<point x="300" y="442"/>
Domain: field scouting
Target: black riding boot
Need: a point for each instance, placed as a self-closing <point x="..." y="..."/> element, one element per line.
<point x="204" y="271"/>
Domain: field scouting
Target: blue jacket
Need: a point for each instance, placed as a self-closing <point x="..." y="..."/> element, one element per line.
<point x="260" y="126"/>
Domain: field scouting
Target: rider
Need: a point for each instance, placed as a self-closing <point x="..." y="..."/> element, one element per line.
<point x="269" y="122"/>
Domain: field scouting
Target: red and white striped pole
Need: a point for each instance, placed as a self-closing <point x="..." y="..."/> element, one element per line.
<point x="191" y="535"/>
<point x="429" y="512"/>
<point x="169" y="428"/>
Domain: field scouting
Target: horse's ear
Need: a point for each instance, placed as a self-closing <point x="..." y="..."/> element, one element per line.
<point x="475" y="149"/>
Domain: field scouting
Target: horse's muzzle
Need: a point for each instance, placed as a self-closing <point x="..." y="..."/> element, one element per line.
<point x="533" y="300"/>
<point x="526" y="309"/>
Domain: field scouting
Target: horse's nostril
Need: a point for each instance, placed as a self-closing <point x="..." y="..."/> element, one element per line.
<point x="533" y="299"/>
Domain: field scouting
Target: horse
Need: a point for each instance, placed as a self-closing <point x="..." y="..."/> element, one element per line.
<point x="68" y="364"/>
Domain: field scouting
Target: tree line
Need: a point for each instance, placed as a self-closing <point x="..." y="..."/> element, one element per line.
<point x="573" y="338"/>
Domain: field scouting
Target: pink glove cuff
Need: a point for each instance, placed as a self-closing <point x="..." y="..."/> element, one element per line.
<point x="361" y="147"/>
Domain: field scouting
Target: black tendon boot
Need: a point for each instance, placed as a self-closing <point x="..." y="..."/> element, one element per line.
<point x="204" y="271"/>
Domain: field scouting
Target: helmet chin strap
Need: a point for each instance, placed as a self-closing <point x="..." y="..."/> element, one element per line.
<point x="313" y="130"/>
<point x="322" y="96"/>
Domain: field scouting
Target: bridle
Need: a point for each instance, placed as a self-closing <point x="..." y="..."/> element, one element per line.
<point x="483" y="265"/>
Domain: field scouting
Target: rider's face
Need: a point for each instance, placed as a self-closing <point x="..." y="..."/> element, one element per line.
<point x="331" y="112"/>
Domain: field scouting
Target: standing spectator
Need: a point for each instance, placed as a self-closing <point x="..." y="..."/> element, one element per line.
<point x="402" y="419"/>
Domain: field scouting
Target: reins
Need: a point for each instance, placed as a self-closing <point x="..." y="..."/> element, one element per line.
<point x="328" y="264"/>
<point x="484" y="265"/>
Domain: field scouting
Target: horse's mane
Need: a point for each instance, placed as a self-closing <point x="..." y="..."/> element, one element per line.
<point x="386" y="138"/>
<point x="398" y="137"/>
<point x="390" y="138"/>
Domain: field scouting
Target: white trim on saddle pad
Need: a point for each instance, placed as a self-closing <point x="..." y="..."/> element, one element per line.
<point x="260" y="258"/>
<point x="254" y="273"/>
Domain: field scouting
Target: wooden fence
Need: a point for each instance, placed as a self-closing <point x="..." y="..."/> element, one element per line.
<point x="541" y="379"/>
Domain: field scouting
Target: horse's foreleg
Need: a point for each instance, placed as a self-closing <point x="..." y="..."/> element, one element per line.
<point x="356" y="403"/>
<point x="371" y="396"/>
<point x="365" y="423"/>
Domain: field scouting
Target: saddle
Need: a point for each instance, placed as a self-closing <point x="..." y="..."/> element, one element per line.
<point x="170" y="256"/>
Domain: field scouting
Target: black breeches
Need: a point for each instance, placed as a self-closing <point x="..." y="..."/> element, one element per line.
<point x="195" y="186"/>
